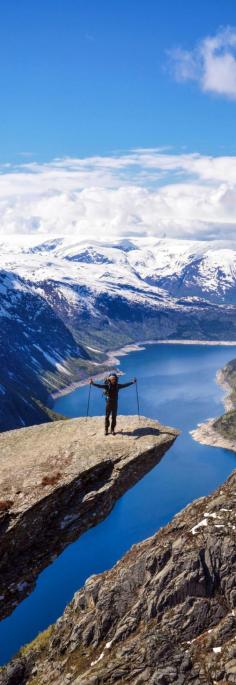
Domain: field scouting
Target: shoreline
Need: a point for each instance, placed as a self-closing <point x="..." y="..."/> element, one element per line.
<point x="227" y="402"/>
<point x="205" y="433"/>
<point x="112" y="359"/>
<point x="209" y="343"/>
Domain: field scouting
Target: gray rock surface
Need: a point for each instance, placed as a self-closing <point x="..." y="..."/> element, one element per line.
<point x="166" y="613"/>
<point x="59" y="479"/>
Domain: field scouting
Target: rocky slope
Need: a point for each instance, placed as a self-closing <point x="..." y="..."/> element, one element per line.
<point x="221" y="431"/>
<point x="35" y="347"/>
<point x="226" y="424"/>
<point x="57" y="480"/>
<point x="166" y="613"/>
<point x="64" y="304"/>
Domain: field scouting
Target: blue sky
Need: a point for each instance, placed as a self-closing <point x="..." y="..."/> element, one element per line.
<point x="85" y="77"/>
<point x="118" y="118"/>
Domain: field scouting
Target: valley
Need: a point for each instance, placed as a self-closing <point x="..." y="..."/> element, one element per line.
<point x="65" y="304"/>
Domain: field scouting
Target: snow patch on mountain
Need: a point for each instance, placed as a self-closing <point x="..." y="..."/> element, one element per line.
<point x="160" y="268"/>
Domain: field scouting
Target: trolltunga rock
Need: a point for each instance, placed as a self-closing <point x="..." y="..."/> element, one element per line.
<point x="57" y="480"/>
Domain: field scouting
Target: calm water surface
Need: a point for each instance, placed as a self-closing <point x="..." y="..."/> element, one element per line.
<point x="177" y="386"/>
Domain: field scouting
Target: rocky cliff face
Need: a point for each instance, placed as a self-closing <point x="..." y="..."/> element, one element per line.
<point x="166" y="613"/>
<point x="57" y="480"/>
<point x="35" y="348"/>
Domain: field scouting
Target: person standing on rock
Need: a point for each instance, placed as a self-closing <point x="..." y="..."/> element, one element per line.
<point x="111" y="389"/>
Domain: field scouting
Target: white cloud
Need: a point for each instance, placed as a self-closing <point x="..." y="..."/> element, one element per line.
<point x="212" y="63"/>
<point x="142" y="192"/>
<point x="184" y="64"/>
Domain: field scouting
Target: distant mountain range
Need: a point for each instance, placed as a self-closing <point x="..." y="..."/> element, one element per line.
<point x="64" y="303"/>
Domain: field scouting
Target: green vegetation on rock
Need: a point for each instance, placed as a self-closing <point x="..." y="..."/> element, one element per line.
<point x="229" y="374"/>
<point x="39" y="643"/>
<point x="226" y="424"/>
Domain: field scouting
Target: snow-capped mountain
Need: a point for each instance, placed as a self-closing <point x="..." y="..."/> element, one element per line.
<point x="180" y="267"/>
<point x="60" y="299"/>
<point x="188" y="268"/>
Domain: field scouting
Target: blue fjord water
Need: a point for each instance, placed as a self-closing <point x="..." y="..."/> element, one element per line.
<point x="177" y="386"/>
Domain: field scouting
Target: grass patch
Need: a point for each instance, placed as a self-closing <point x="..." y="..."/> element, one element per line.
<point x="39" y="643"/>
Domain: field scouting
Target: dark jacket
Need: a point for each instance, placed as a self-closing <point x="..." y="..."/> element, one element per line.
<point x="112" y="389"/>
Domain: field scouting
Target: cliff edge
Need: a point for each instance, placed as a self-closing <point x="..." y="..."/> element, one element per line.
<point x="59" y="479"/>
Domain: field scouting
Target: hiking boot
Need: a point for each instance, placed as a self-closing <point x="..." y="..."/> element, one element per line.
<point x="106" y="432"/>
<point x="113" y="432"/>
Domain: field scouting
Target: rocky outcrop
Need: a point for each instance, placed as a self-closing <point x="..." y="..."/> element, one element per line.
<point x="209" y="433"/>
<point x="59" y="479"/>
<point x="166" y="613"/>
<point x="221" y="432"/>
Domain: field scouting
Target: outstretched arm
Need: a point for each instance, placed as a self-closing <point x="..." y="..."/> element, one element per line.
<point x="98" y="385"/>
<point x="126" y="385"/>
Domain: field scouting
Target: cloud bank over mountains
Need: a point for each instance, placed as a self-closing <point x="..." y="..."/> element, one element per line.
<point x="145" y="192"/>
<point x="212" y="63"/>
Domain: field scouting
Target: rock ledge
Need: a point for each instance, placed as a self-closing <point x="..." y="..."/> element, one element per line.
<point x="59" y="479"/>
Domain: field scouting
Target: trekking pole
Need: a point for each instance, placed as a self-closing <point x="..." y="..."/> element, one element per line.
<point x="137" y="399"/>
<point x="88" y="400"/>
